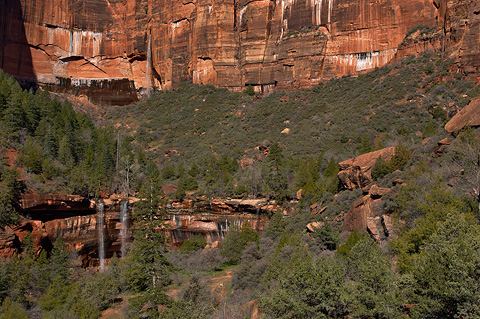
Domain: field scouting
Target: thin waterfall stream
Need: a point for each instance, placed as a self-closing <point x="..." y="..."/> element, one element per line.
<point x="100" y="231"/>
<point x="124" y="217"/>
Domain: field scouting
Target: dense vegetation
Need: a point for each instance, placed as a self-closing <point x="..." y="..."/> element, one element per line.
<point x="199" y="134"/>
<point x="197" y="137"/>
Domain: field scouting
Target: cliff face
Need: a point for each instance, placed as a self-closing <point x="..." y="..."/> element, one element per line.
<point x="180" y="227"/>
<point x="120" y="46"/>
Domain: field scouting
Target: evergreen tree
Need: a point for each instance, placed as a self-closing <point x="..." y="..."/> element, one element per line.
<point x="11" y="309"/>
<point x="446" y="271"/>
<point x="10" y="191"/>
<point x="235" y="242"/>
<point x="147" y="266"/>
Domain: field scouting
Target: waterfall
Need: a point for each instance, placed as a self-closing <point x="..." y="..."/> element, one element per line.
<point x="100" y="231"/>
<point x="124" y="228"/>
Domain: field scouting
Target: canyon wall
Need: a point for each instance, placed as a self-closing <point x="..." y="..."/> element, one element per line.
<point x="179" y="227"/>
<point x="121" y="47"/>
<point x="78" y="221"/>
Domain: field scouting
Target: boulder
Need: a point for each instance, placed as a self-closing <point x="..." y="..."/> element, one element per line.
<point x="214" y="245"/>
<point x="251" y="308"/>
<point x="311" y="227"/>
<point x="299" y="194"/>
<point x="316" y="209"/>
<point x="442" y="145"/>
<point x="366" y="213"/>
<point x="469" y="115"/>
<point x="9" y="243"/>
<point x="169" y="189"/>
<point x="241" y="205"/>
<point x="377" y="192"/>
<point x="200" y="226"/>
<point x="357" y="172"/>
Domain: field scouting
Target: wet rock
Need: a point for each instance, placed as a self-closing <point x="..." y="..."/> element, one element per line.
<point x="107" y="50"/>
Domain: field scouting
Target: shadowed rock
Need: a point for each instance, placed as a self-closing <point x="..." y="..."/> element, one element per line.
<point x="366" y="213"/>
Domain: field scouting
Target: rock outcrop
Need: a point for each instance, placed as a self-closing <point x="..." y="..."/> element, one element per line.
<point x="80" y="234"/>
<point x="9" y="243"/>
<point x="357" y="172"/>
<point x="73" y="217"/>
<point x="366" y="213"/>
<point x="254" y="206"/>
<point x="469" y="115"/>
<point x="54" y="206"/>
<point x="93" y="47"/>
<point x="180" y="227"/>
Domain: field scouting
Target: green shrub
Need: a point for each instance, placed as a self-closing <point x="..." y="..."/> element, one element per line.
<point x="400" y="158"/>
<point x="327" y="236"/>
<point x="194" y="243"/>
<point x="235" y="242"/>
<point x="398" y="161"/>
<point x="249" y="90"/>
<point x="380" y="169"/>
<point x="352" y="240"/>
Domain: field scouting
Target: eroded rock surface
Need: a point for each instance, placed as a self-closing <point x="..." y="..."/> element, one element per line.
<point x="469" y="115"/>
<point x="180" y="227"/>
<point x="120" y="46"/>
<point x="357" y="172"/>
<point x="366" y="213"/>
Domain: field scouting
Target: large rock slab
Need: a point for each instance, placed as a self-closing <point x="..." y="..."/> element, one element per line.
<point x="469" y="115"/>
<point x="366" y="214"/>
<point x="357" y="171"/>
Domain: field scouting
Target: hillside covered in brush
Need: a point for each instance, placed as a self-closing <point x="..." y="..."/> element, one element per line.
<point x="402" y="243"/>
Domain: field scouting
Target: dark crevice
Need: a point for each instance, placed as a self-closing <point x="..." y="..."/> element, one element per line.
<point x="180" y="20"/>
<point x="71" y="58"/>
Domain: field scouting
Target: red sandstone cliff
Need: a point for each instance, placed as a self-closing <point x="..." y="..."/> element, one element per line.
<point x="134" y="44"/>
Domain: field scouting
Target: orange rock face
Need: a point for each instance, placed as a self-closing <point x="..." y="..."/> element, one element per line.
<point x="180" y="227"/>
<point x="357" y="172"/>
<point x="366" y="214"/>
<point x="469" y="115"/>
<point x="121" y="46"/>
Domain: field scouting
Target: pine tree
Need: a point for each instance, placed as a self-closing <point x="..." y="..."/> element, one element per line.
<point x="11" y="309"/>
<point x="147" y="267"/>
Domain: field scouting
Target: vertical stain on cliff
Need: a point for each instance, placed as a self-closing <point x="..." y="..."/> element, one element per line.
<point x="265" y="43"/>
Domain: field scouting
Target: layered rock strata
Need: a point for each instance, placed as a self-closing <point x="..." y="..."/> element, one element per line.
<point x="80" y="234"/>
<point x="120" y="46"/>
<point x="75" y="219"/>
<point x="180" y="227"/>
<point x="72" y="217"/>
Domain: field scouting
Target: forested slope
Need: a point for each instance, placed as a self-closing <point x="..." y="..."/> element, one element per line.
<point x="216" y="143"/>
